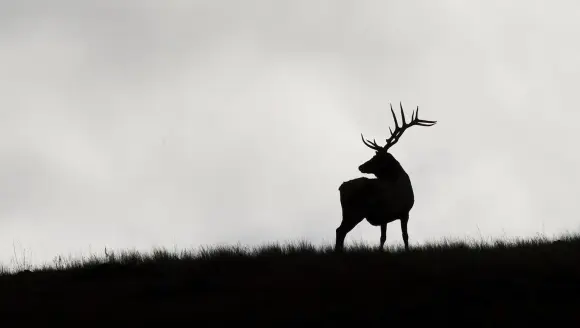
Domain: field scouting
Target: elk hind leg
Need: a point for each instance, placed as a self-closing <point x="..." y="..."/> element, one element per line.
<point x="383" y="235"/>
<point x="349" y="221"/>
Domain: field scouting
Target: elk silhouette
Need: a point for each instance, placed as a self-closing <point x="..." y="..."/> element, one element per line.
<point x="385" y="199"/>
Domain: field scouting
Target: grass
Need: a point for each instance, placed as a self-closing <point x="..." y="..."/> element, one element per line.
<point x="472" y="282"/>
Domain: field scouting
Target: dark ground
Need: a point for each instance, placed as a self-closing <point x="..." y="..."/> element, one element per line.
<point x="536" y="281"/>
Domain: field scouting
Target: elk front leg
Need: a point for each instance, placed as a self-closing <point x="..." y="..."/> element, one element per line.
<point x="404" y="221"/>
<point x="383" y="235"/>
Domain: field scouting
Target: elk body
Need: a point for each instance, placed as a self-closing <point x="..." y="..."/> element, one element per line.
<point x="383" y="199"/>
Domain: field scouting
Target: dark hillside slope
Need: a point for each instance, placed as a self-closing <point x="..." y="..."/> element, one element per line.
<point x="522" y="282"/>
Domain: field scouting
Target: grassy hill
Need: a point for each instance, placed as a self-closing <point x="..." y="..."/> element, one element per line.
<point x="478" y="284"/>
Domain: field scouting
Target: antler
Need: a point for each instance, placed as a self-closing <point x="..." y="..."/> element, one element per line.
<point x="398" y="129"/>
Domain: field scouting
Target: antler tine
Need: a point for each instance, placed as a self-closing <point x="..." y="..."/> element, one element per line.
<point x="394" y="117"/>
<point x="422" y="122"/>
<point x="402" y="113"/>
<point x="425" y="123"/>
<point x="371" y="144"/>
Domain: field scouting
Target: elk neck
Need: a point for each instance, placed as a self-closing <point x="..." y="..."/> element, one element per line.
<point x="391" y="171"/>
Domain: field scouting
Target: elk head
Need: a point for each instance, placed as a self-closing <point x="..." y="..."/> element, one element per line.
<point x="383" y="164"/>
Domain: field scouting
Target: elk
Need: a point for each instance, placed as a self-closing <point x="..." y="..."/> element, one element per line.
<point x="383" y="199"/>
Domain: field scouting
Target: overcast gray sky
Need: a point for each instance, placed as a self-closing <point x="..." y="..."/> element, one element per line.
<point x="135" y="124"/>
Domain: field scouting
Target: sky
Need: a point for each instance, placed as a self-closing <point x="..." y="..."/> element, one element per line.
<point x="140" y="124"/>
